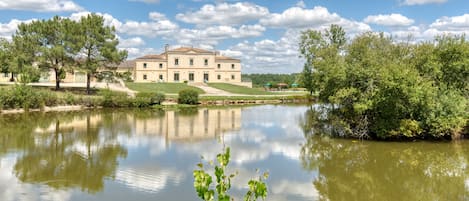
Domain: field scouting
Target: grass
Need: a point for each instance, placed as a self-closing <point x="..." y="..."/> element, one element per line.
<point x="215" y="98"/>
<point x="167" y="88"/>
<point x="239" y="89"/>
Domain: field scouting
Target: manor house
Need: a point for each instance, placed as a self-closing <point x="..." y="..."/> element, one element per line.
<point x="184" y="64"/>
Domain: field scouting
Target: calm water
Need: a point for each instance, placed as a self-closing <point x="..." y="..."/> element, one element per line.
<point x="148" y="155"/>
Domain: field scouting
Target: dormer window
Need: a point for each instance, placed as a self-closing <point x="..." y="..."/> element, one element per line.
<point x="191" y="62"/>
<point x="176" y="62"/>
<point x="206" y="62"/>
<point x="144" y="65"/>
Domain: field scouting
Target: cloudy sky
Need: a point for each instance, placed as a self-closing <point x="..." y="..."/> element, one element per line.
<point x="262" y="33"/>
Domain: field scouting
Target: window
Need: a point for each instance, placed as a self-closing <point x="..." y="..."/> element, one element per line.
<point x="176" y="62"/>
<point x="219" y="77"/>
<point x="191" y="62"/>
<point x="191" y="76"/>
<point x="232" y="66"/>
<point x="161" y="65"/>
<point x="206" y="62"/>
<point x="232" y="77"/>
<point x="144" y="65"/>
<point x="218" y="66"/>
<point x="145" y="76"/>
<point x="161" y="77"/>
<point x="176" y="76"/>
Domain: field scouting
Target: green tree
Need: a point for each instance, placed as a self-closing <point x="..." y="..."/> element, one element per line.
<point x="23" y="51"/>
<point x="97" y="45"/>
<point x="5" y="55"/>
<point x="55" y="37"/>
<point x="384" y="89"/>
<point x="306" y="78"/>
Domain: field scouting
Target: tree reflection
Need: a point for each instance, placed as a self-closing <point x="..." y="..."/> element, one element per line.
<point x="356" y="170"/>
<point x="80" y="153"/>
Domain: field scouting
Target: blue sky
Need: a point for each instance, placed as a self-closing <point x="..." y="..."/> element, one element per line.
<point x="263" y="33"/>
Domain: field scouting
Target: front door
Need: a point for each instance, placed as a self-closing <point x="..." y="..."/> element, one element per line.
<point x="205" y="77"/>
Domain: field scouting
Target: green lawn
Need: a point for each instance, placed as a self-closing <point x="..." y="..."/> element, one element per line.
<point x="239" y="89"/>
<point x="168" y="88"/>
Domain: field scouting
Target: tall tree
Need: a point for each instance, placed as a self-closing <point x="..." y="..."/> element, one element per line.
<point x="97" y="45"/>
<point x="5" y="55"/>
<point x="306" y="78"/>
<point x="322" y="51"/>
<point x="24" y="51"/>
<point x="56" y="42"/>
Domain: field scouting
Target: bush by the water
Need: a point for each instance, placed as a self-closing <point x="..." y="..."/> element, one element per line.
<point x="152" y="98"/>
<point x="22" y="96"/>
<point x="383" y="89"/>
<point x="188" y="96"/>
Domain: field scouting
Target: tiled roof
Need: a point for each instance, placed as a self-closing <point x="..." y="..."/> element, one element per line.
<point x="188" y="49"/>
<point x="153" y="56"/>
<point x="127" y="64"/>
<point x="225" y="58"/>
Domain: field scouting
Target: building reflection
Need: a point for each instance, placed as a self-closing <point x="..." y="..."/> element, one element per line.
<point x="201" y="123"/>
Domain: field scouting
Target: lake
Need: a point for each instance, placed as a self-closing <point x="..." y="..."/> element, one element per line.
<point x="150" y="155"/>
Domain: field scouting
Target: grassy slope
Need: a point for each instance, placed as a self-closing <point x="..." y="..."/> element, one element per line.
<point x="239" y="89"/>
<point x="171" y="88"/>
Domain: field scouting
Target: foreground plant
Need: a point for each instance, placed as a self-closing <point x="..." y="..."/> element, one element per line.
<point x="204" y="188"/>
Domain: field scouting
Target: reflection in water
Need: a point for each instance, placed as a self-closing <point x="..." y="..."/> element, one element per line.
<point x="74" y="154"/>
<point x="149" y="179"/>
<point x="80" y="150"/>
<point x="201" y="123"/>
<point x="150" y="154"/>
<point x="350" y="170"/>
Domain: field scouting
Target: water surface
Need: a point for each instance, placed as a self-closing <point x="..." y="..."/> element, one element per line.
<point x="150" y="155"/>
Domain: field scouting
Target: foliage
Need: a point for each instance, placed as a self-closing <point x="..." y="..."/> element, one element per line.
<point x="98" y="43"/>
<point x="306" y="78"/>
<point x="153" y="98"/>
<point x="259" y="80"/>
<point x="203" y="182"/>
<point x="125" y="76"/>
<point x="188" y="96"/>
<point x="53" y="40"/>
<point x="384" y="89"/>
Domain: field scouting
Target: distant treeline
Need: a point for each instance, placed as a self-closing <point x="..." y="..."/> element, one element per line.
<point x="259" y="80"/>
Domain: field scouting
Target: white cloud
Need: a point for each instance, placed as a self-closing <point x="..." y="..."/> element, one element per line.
<point x="389" y="20"/>
<point x="8" y="29"/>
<point x="421" y="2"/>
<point x="455" y="23"/>
<point x="211" y="36"/>
<point x="224" y="14"/>
<point x="317" y="18"/>
<point x="109" y="20"/>
<point x="266" y="55"/>
<point x="131" y="42"/>
<point x="156" y="16"/>
<point x="40" y="5"/>
<point x="301" y="4"/>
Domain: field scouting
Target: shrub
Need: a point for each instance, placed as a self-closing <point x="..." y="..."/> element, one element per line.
<point x="47" y="98"/>
<point x="188" y="96"/>
<point x="69" y="99"/>
<point x="153" y="98"/>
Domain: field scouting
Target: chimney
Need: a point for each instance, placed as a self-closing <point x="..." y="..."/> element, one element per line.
<point x="166" y="47"/>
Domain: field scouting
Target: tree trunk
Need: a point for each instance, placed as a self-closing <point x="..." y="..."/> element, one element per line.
<point x="88" y="77"/>
<point x="12" y="79"/>
<point x="57" y="79"/>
